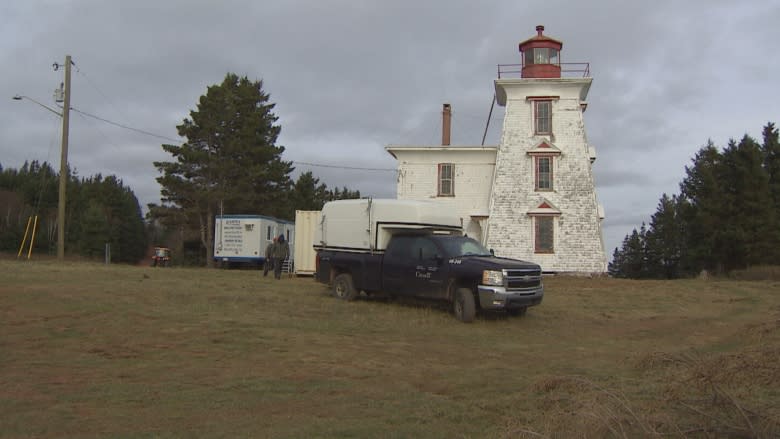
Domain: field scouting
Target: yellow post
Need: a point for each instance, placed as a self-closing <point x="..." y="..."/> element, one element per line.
<point x="26" y="230"/>
<point x="32" y="238"/>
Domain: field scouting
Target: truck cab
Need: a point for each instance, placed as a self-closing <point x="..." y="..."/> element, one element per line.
<point x="436" y="266"/>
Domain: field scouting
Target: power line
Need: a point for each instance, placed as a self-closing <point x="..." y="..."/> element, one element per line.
<point x="344" y="167"/>
<point x="178" y="141"/>
<point x="354" y="168"/>
<point x="159" y="136"/>
<point x="107" y="138"/>
<point x="105" y="96"/>
<point x="108" y="100"/>
<point x="93" y="85"/>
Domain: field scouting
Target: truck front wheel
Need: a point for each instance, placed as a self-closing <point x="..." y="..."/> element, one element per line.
<point x="464" y="306"/>
<point x="343" y="287"/>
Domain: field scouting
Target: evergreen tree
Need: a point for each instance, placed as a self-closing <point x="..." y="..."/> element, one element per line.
<point x="104" y="211"/>
<point x="664" y="240"/>
<point x="32" y="191"/>
<point x="98" y="211"/>
<point x="308" y="193"/>
<point x="726" y="216"/>
<point x="95" y="231"/>
<point x="123" y="213"/>
<point x="230" y="159"/>
<point x="750" y="221"/>
<point x="685" y="213"/>
<point x="771" y="151"/>
<point x="39" y="185"/>
<point x="633" y="255"/>
<point x="343" y="194"/>
<point x="708" y="196"/>
<point x="615" y="266"/>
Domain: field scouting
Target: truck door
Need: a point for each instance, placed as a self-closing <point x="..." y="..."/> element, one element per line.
<point x="396" y="265"/>
<point x="427" y="276"/>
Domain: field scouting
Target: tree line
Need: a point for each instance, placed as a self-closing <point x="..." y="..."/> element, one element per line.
<point x="99" y="211"/>
<point x="726" y="216"/>
<point x="102" y="210"/>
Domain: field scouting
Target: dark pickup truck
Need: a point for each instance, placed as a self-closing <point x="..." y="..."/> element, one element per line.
<point x="454" y="268"/>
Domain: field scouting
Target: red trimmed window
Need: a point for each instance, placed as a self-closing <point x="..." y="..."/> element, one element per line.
<point x="542" y="117"/>
<point x="543" y="169"/>
<point x="544" y="234"/>
<point x="446" y="180"/>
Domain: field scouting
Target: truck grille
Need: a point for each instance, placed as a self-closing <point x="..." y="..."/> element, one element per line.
<point x="522" y="279"/>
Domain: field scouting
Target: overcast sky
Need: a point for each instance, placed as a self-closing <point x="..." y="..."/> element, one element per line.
<point x="350" y="77"/>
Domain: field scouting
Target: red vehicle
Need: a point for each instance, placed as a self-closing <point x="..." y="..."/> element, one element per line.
<point x="162" y="257"/>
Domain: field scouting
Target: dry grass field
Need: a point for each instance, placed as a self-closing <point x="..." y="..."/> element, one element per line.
<point x="88" y="350"/>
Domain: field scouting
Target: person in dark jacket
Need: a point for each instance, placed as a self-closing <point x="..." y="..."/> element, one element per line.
<point x="269" y="257"/>
<point x="281" y="252"/>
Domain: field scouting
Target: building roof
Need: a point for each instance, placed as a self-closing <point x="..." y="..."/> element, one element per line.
<point x="540" y="37"/>
<point x="392" y="149"/>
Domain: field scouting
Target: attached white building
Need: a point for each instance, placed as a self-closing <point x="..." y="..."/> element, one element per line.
<point x="532" y="197"/>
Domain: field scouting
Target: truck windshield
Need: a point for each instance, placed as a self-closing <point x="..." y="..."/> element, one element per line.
<point x="456" y="246"/>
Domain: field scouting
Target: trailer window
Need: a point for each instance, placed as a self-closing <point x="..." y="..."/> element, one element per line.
<point x="268" y="235"/>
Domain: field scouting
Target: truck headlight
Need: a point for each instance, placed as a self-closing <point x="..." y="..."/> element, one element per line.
<point x="493" y="277"/>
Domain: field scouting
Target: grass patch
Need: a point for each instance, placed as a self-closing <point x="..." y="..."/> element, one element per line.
<point x="760" y="272"/>
<point x="89" y="350"/>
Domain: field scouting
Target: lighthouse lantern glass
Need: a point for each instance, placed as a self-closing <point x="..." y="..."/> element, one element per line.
<point x="541" y="55"/>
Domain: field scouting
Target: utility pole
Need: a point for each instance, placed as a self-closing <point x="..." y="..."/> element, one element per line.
<point x="63" y="163"/>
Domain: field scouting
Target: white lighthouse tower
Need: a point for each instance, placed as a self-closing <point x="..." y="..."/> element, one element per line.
<point x="543" y="205"/>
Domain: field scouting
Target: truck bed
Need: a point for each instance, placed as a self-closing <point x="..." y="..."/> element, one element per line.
<point x="366" y="268"/>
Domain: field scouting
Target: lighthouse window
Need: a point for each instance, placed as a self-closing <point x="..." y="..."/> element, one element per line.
<point x="542" y="117"/>
<point x="446" y="180"/>
<point x="541" y="55"/>
<point x="544" y="173"/>
<point x="553" y="56"/>
<point x="544" y="227"/>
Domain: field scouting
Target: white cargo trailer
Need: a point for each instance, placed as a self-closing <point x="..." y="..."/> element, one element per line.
<point x="306" y="223"/>
<point x="367" y="224"/>
<point x="242" y="239"/>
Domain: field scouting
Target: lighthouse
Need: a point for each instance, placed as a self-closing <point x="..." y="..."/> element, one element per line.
<point x="543" y="204"/>
<point x="532" y="196"/>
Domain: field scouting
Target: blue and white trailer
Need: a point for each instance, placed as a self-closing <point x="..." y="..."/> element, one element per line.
<point x="242" y="239"/>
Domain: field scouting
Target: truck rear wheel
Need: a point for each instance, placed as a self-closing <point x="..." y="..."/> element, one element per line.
<point x="343" y="288"/>
<point x="464" y="306"/>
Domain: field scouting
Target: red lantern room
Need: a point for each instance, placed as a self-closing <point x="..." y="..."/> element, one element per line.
<point x="541" y="56"/>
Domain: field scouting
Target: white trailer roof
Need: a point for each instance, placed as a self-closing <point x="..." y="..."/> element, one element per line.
<point x="368" y="223"/>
